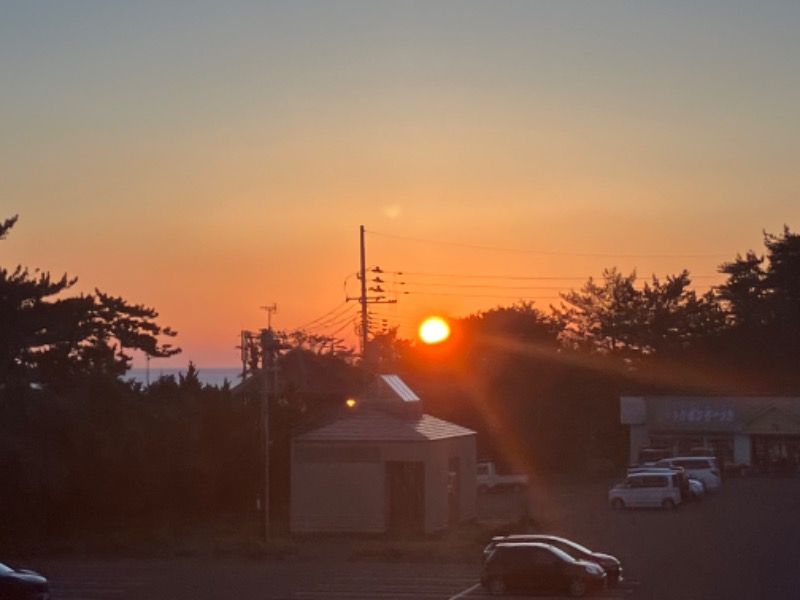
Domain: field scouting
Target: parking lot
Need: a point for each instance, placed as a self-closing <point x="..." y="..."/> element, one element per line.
<point x="740" y="542"/>
<point x="737" y="544"/>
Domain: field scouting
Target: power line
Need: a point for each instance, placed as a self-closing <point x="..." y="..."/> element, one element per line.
<point x="453" y="284"/>
<point x="486" y="286"/>
<point x="542" y="252"/>
<point x="322" y="328"/>
<point x="346" y="317"/>
<point x="341" y="308"/>
<point x="349" y="322"/>
<point x="515" y="277"/>
<point x="412" y="286"/>
<point x="496" y="296"/>
<point x="449" y="284"/>
<point x="510" y="288"/>
<point x="496" y="288"/>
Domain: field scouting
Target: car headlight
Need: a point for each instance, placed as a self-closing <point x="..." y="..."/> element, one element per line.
<point x="593" y="569"/>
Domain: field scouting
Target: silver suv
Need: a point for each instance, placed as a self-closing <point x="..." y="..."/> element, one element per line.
<point x="702" y="468"/>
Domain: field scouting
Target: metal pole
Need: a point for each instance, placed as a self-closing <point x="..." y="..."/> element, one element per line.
<point x="364" y="328"/>
<point x="244" y="341"/>
<point x="268" y="367"/>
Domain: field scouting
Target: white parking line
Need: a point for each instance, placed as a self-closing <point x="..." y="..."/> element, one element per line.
<point x="465" y="592"/>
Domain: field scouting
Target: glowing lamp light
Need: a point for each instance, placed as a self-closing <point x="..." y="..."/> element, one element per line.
<point x="350" y="402"/>
<point x="434" y="330"/>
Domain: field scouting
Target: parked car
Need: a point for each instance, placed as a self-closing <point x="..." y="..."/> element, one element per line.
<point x="691" y="489"/>
<point x="610" y="564"/>
<point x="650" y="455"/>
<point x="489" y="478"/>
<point x="22" y="584"/>
<point x="539" y="568"/>
<point x="647" y="489"/>
<point x="702" y="468"/>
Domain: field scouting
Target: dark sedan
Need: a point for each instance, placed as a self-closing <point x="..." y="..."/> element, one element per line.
<point x="610" y="564"/>
<point x="539" y="569"/>
<point x="22" y="584"/>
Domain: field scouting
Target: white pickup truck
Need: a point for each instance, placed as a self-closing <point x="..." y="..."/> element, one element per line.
<point x="489" y="479"/>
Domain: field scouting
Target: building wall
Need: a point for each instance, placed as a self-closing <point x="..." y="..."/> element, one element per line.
<point x="340" y="487"/>
<point x="639" y="438"/>
<point x="337" y="489"/>
<point x="438" y="482"/>
<point x="467" y="453"/>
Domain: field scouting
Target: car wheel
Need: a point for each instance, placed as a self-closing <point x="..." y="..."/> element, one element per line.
<point x="577" y="587"/>
<point x="617" y="504"/>
<point x="497" y="586"/>
<point x="668" y="503"/>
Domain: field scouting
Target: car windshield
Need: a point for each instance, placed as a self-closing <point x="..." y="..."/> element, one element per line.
<point x="568" y="546"/>
<point x="561" y="554"/>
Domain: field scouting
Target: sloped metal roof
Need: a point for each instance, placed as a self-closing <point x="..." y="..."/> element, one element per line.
<point x="380" y="426"/>
<point x="389" y="388"/>
<point x="399" y="387"/>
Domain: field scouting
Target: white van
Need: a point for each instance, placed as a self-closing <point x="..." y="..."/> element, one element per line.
<point x="648" y="488"/>
<point x="702" y="468"/>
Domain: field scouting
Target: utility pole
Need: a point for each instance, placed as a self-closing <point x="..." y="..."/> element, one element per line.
<point x="266" y="367"/>
<point x="363" y="276"/>
<point x="364" y="299"/>
<point x="270" y="349"/>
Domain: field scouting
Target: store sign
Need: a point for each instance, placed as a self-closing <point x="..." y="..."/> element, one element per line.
<point x="719" y="416"/>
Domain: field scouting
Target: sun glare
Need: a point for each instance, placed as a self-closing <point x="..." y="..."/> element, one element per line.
<point x="434" y="330"/>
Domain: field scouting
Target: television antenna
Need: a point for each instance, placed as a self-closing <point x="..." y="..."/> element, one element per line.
<point x="272" y="308"/>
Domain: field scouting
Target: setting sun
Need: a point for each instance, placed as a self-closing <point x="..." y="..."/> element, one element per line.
<point x="434" y="330"/>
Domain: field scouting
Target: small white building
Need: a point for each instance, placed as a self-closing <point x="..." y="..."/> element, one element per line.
<point x="383" y="466"/>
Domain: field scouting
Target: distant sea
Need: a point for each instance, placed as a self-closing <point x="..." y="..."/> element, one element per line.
<point x="215" y="376"/>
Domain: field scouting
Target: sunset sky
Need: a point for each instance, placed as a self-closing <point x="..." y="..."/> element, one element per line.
<point x="210" y="158"/>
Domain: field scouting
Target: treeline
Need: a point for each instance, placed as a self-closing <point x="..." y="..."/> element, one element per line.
<point x="111" y="454"/>
<point x="542" y="388"/>
<point x="82" y="449"/>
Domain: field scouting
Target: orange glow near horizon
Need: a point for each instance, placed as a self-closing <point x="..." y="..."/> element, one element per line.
<point x="481" y="174"/>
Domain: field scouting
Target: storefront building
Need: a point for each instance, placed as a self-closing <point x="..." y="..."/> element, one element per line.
<point x="745" y="433"/>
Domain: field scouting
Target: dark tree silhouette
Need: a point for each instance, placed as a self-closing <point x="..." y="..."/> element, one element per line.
<point x="47" y="337"/>
<point x="616" y="317"/>
<point x="762" y="299"/>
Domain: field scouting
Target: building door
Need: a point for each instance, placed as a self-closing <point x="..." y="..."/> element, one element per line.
<point x="454" y="490"/>
<point x="405" y="496"/>
<point x="776" y="453"/>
